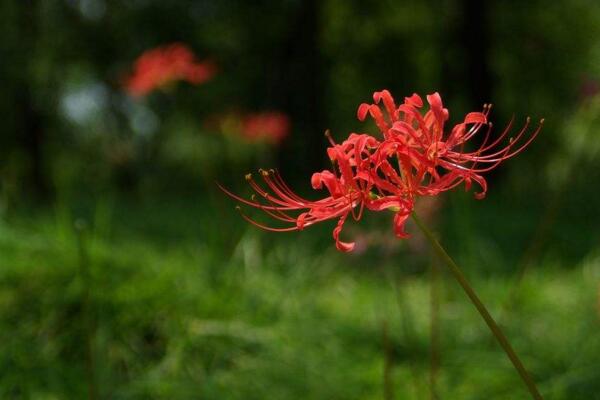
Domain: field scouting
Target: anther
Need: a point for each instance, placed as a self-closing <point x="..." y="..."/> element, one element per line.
<point x="248" y="177"/>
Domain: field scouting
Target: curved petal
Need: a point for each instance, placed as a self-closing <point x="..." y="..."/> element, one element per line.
<point x="475" y="118"/>
<point x="414" y="100"/>
<point x="342" y="246"/>
<point x="435" y="101"/>
<point x="399" y="222"/>
<point x="362" y="111"/>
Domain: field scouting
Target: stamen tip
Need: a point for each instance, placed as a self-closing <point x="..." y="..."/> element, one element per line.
<point x="542" y="120"/>
<point x="248" y="176"/>
<point x="327" y="133"/>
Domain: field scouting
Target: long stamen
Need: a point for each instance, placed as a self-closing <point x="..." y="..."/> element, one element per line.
<point x="267" y="228"/>
<point x="275" y="211"/>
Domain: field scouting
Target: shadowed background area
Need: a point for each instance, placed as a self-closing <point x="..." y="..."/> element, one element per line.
<point x="125" y="273"/>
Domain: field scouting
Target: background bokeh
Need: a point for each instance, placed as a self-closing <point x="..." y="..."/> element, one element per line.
<point x="125" y="273"/>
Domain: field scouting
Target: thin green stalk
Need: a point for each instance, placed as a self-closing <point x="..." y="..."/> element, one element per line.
<point x="462" y="280"/>
<point x="409" y="335"/>
<point x="388" y="363"/>
<point x="434" y="326"/>
<point x="88" y="321"/>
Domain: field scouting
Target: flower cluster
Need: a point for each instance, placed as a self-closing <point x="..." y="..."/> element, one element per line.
<point x="160" y="66"/>
<point x="414" y="157"/>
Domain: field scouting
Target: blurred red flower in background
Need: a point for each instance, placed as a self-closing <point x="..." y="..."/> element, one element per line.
<point x="163" y="65"/>
<point x="415" y="158"/>
<point x="271" y="126"/>
<point x="266" y="126"/>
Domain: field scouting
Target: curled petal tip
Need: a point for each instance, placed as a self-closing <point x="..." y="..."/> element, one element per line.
<point x="479" y="196"/>
<point x="345" y="246"/>
<point x="363" y="109"/>
<point x="414" y="100"/>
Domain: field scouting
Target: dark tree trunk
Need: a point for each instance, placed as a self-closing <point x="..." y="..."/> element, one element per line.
<point x="464" y="45"/>
<point x="474" y="35"/>
<point x="303" y="84"/>
<point x="31" y="124"/>
<point x="32" y="140"/>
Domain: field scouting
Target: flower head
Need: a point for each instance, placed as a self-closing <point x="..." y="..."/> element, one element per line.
<point x="160" y="66"/>
<point x="414" y="158"/>
<point x="349" y="188"/>
<point x="431" y="159"/>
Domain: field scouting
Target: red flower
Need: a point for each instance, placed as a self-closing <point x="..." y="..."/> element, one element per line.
<point x="432" y="160"/>
<point x="350" y="191"/>
<point x="160" y="66"/>
<point x="415" y="158"/>
<point x="271" y="126"/>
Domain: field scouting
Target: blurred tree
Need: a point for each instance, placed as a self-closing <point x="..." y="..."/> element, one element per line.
<point x="67" y="122"/>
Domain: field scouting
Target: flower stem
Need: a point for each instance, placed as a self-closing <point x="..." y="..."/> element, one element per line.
<point x="462" y="280"/>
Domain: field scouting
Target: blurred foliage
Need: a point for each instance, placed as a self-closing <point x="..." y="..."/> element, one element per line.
<point x="149" y="306"/>
<point x="68" y="122"/>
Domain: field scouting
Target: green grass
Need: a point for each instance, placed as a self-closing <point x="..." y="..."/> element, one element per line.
<point x="171" y="302"/>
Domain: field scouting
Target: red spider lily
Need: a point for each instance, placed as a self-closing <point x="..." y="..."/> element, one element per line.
<point x="160" y="66"/>
<point x="271" y="126"/>
<point x="415" y="158"/>
<point x="431" y="160"/>
<point x="350" y="191"/>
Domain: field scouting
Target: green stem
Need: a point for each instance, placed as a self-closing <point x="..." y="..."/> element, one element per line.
<point x="462" y="280"/>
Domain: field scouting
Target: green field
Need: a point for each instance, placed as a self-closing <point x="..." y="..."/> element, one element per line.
<point x="160" y="300"/>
